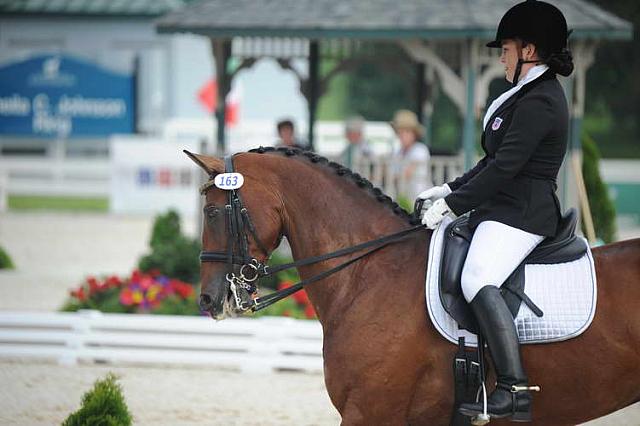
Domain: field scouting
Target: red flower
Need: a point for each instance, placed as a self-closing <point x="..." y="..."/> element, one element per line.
<point x="79" y="294"/>
<point x="309" y="312"/>
<point x="182" y="289"/>
<point x="284" y="284"/>
<point x="135" y="276"/>
<point x="126" y="297"/>
<point x="301" y="297"/>
<point x="93" y="285"/>
<point x="146" y="281"/>
<point x="113" y="282"/>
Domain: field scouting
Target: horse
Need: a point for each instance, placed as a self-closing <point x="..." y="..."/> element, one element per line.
<point x="384" y="362"/>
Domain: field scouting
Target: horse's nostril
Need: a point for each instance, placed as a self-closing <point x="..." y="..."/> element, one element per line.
<point x="205" y="302"/>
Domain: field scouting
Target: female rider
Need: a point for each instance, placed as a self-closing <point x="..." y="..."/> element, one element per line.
<point x="511" y="191"/>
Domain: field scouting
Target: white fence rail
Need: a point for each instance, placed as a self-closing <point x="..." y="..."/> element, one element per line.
<point x="56" y="176"/>
<point x="256" y="345"/>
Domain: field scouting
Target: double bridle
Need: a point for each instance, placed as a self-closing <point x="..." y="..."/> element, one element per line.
<point x="238" y="223"/>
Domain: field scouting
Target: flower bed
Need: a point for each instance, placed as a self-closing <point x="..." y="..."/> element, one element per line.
<point x="139" y="293"/>
<point x="163" y="282"/>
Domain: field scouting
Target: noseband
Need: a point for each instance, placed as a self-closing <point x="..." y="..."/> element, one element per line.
<point x="237" y="222"/>
<point x="251" y="269"/>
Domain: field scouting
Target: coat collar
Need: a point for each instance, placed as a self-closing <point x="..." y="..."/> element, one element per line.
<point x="548" y="75"/>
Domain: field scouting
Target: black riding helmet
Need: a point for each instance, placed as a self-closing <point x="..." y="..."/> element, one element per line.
<point x="534" y="22"/>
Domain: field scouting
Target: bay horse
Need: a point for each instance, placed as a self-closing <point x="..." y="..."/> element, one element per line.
<point x="384" y="362"/>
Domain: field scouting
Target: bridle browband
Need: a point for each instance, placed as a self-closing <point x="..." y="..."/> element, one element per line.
<point x="237" y="222"/>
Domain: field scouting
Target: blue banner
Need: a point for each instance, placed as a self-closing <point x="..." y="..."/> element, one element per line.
<point x="54" y="96"/>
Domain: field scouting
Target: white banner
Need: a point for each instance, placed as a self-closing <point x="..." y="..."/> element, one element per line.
<point x="152" y="175"/>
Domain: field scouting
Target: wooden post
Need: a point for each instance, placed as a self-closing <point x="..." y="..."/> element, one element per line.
<point x="221" y="49"/>
<point x="314" y="53"/>
<point x="469" y="130"/>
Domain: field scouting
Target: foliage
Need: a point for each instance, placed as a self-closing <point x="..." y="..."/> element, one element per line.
<point x="382" y="82"/>
<point x="613" y="90"/>
<point x="5" y="260"/>
<point x="140" y="293"/>
<point x="297" y="305"/>
<point x="294" y="306"/>
<point x="446" y="124"/>
<point x="172" y="253"/>
<point x="601" y="205"/>
<point x="103" y="405"/>
<point x="36" y="202"/>
<point x="405" y="203"/>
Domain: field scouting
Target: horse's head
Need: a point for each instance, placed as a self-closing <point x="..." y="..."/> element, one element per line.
<point x="241" y="227"/>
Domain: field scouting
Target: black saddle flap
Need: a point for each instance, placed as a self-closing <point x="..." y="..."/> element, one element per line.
<point x="456" y="243"/>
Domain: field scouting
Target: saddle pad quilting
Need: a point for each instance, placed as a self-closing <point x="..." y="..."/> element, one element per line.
<point x="566" y="293"/>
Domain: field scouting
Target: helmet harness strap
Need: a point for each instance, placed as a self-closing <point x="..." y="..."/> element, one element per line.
<point x="516" y="74"/>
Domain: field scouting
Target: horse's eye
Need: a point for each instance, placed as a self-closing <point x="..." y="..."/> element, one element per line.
<point x="212" y="212"/>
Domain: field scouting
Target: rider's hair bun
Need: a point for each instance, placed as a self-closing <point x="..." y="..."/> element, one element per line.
<point x="561" y="62"/>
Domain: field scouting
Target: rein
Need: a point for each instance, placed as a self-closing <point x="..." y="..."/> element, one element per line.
<point x="251" y="269"/>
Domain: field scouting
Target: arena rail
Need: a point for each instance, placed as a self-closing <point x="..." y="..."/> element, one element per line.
<point x="246" y="344"/>
<point x="56" y="176"/>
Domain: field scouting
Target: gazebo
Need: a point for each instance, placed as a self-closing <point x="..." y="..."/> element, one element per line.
<point x="445" y="38"/>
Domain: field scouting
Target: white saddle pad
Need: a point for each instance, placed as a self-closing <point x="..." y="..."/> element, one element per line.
<point x="566" y="293"/>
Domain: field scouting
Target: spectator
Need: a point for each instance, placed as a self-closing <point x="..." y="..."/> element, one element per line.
<point x="357" y="147"/>
<point x="411" y="166"/>
<point x="287" y="135"/>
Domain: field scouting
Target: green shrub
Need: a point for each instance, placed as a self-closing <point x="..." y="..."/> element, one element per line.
<point x="172" y="253"/>
<point x="104" y="405"/>
<point x="5" y="260"/>
<point x="602" y="208"/>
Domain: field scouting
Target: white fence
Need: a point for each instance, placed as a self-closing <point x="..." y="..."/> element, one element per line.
<point x="380" y="171"/>
<point x="56" y="176"/>
<point x="252" y="345"/>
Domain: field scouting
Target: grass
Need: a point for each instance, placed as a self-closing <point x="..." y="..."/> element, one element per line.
<point x="24" y="202"/>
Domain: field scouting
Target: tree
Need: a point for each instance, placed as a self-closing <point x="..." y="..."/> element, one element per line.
<point x="613" y="90"/>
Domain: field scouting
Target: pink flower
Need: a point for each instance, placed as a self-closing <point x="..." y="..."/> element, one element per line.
<point x="126" y="297"/>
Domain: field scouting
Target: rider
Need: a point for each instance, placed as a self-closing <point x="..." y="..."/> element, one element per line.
<point x="511" y="191"/>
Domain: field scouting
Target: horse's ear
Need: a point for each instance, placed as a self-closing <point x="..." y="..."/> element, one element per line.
<point x="211" y="165"/>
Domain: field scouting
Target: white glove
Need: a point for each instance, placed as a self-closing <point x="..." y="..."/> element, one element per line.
<point x="435" y="193"/>
<point x="431" y="195"/>
<point x="435" y="214"/>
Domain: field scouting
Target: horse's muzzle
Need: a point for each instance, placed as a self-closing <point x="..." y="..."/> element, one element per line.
<point x="210" y="305"/>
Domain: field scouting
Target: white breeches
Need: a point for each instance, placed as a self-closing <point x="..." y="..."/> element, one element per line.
<point x="495" y="252"/>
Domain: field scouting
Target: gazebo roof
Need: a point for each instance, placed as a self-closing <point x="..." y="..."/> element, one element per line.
<point x="88" y="8"/>
<point x="375" y="19"/>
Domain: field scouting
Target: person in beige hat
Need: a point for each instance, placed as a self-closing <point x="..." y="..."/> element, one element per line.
<point x="411" y="160"/>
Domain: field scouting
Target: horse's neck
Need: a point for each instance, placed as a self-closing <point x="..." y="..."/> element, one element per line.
<point x="323" y="218"/>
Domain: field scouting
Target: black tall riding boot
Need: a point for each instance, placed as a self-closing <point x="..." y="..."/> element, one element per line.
<point x="511" y="396"/>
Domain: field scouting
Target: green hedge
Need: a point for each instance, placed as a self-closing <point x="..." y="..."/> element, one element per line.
<point x="602" y="208"/>
<point x="5" y="260"/>
<point x="172" y="253"/>
<point x="104" y="405"/>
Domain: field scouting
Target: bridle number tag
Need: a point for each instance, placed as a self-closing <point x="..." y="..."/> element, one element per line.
<point x="229" y="181"/>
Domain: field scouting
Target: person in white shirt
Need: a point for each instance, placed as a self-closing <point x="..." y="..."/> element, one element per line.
<point x="411" y="161"/>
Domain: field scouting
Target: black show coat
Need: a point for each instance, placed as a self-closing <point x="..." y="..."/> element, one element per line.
<point x="515" y="182"/>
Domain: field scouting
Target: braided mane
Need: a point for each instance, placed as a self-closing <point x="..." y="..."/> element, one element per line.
<point x="342" y="171"/>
